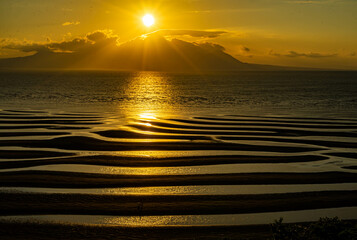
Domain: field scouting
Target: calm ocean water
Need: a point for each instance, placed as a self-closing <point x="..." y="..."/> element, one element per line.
<point x="310" y="94"/>
<point x="287" y="140"/>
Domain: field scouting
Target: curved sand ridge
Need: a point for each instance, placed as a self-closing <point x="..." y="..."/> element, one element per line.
<point x="324" y="147"/>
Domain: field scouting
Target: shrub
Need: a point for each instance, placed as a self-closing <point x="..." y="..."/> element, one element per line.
<point x="324" y="229"/>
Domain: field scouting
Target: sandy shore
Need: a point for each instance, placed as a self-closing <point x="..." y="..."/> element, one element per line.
<point x="33" y="178"/>
<point x="94" y="144"/>
<point x="140" y="205"/>
<point x="107" y="160"/>
<point x="10" y="231"/>
<point x="316" y="151"/>
<point x="45" y="230"/>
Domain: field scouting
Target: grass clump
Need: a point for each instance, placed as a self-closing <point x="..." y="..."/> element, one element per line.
<point x="324" y="229"/>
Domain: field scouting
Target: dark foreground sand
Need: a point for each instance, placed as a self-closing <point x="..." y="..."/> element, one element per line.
<point x="46" y="230"/>
<point x="143" y="205"/>
<point x="58" y="179"/>
<point x="21" y="230"/>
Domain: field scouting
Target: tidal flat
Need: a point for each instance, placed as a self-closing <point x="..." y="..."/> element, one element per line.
<point x="133" y="167"/>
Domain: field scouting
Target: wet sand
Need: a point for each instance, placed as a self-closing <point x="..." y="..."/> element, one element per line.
<point x="322" y="149"/>
<point x="136" y="205"/>
<point x="9" y="230"/>
<point x="107" y="160"/>
<point x="56" y="179"/>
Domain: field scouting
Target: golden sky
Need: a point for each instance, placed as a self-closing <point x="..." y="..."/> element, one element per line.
<point x="305" y="33"/>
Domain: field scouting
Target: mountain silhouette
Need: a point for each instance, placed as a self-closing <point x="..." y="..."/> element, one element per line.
<point x="149" y="53"/>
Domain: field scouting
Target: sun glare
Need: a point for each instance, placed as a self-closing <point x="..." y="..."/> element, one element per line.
<point x="148" y="20"/>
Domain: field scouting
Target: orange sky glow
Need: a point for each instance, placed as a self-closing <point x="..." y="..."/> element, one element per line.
<point x="314" y="33"/>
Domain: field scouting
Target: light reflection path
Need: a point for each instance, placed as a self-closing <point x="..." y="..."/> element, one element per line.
<point x="150" y="94"/>
<point x="191" y="220"/>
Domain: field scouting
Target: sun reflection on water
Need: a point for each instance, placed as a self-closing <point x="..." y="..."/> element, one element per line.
<point x="151" y="96"/>
<point x="147" y="116"/>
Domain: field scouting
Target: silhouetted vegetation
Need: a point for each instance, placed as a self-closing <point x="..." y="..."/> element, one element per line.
<point x="324" y="229"/>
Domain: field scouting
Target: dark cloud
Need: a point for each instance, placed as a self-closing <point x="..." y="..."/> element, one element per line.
<point x="73" y="45"/>
<point x="245" y="49"/>
<point x="97" y="36"/>
<point x="27" y="47"/>
<point x="293" y="54"/>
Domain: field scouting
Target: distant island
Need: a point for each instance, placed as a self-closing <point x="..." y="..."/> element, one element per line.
<point x="148" y="53"/>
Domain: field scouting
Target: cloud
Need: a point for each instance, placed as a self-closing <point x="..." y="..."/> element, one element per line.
<point x="92" y="40"/>
<point x="244" y="49"/>
<point x="97" y="39"/>
<point x="99" y="50"/>
<point x="293" y="54"/>
<point x="191" y="33"/>
<point x="96" y="36"/>
<point x="70" y="23"/>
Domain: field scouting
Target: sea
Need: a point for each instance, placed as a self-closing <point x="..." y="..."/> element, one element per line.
<point x="305" y="94"/>
<point x="301" y="124"/>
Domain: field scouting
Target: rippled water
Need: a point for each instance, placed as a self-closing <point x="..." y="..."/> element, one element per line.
<point x="286" y="93"/>
<point x="274" y="135"/>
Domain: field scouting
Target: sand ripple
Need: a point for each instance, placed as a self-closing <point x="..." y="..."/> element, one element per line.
<point x="303" y="151"/>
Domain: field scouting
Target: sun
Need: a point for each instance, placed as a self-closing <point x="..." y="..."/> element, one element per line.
<point x="148" y="20"/>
